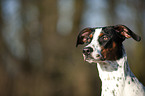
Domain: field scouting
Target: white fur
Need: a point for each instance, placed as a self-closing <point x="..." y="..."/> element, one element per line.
<point x="116" y="76"/>
<point x="116" y="79"/>
<point x="95" y="45"/>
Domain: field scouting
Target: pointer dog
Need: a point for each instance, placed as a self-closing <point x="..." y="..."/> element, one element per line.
<point x="104" y="47"/>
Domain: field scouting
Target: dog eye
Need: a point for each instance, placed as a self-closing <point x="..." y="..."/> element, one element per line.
<point x="105" y="38"/>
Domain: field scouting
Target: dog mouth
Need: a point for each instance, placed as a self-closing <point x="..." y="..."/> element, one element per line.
<point x="91" y="59"/>
<point x="87" y="57"/>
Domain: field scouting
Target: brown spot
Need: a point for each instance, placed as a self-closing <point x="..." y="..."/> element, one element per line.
<point x="90" y="35"/>
<point x="112" y="53"/>
<point x="101" y="34"/>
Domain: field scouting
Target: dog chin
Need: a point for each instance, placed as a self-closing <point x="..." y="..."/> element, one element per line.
<point x="92" y="61"/>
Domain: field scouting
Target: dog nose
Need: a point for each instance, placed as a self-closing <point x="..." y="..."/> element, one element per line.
<point x="87" y="50"/>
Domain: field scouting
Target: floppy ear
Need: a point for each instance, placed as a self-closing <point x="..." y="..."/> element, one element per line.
<point x="126" y="32"/>
<point x="83" y="35"/>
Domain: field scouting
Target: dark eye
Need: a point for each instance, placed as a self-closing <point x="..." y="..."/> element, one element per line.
<point x="105" y="38"/>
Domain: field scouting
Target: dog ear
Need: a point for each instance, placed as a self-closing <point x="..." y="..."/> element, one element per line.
<point x="83" y="35"/>
<point x="126" y="32"/>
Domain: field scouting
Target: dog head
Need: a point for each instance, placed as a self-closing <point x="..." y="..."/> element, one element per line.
<point x="104" y="43"/>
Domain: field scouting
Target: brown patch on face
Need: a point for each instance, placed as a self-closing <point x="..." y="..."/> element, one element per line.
<point x="101" y="34"/>
<point x="91" y="35"/>
<point x="112" y="53"/>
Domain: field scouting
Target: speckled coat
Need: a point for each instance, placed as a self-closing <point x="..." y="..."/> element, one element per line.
<point x="118" y="80"/>
<point x="104" y="47"/>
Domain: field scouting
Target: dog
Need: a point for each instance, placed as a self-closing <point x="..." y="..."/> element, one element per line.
<point x="104" y="47"/>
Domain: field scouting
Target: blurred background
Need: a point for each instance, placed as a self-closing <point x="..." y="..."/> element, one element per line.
<point x="38" y="56"/>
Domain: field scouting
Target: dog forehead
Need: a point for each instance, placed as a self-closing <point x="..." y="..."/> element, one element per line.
<point x="96" y="34"/>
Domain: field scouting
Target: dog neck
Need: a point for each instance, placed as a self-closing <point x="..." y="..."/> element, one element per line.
<point x="120" y="66"/>
<point x="113" y="75"/>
